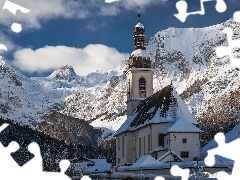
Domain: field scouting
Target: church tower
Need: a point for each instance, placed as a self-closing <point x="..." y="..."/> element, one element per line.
<point x="139" y="73"/>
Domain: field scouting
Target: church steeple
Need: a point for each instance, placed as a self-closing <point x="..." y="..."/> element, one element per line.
<point x="139" y="58"/>
<point x="139" y="36"/>
<point x="139" y="73"/>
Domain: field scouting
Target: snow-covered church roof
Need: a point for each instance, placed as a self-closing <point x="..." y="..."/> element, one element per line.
<point x="145" y="160"/>
<point x="172" y="153"/>
<point x="140" y="25"/>
<point x="182" y="125"/>
<point x="163" y="106"/>
<point x="140" y="53"/>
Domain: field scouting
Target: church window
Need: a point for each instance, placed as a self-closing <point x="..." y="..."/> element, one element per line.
<point x="129" y="89"/>
<point x="144" y="145"/>
<point x="129" y="85"/>
<point x="118" y="143"/>
<point x="161" y="140"/>
<point x="142" y="87"/>
<point x="184" y="154"/>
<point x="140" y="146"/>
<point x="123" y="147"/>
<point x="184" y="140"/>
<point x="136" y="145"/>
<point x="149" y="143"/>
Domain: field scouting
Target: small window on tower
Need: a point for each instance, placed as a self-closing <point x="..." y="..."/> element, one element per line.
<point x="142" y="87"/>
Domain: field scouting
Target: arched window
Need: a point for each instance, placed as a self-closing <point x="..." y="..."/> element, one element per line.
<point x="129" y="89"/>
<point x="142" y="87"/>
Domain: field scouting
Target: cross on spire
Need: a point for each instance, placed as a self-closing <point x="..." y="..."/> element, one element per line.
<point x="139" y="15"/>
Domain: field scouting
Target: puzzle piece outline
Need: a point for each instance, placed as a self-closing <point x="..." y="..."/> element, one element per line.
<point x="182" y="6"/>
<point x="230" y="154"/>
<point x="13" y="8"/>
<point x="16" y="27"/>
<point x="33" y="168"/>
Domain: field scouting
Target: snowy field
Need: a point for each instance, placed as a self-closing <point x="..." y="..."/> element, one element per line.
<point x="108" y="127"/>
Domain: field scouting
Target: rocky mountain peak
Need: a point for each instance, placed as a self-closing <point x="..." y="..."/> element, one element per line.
<point x="65" y="72"/>
<point x="8" y="73"/>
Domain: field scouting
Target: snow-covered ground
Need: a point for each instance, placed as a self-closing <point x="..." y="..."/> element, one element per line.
<point x="108" y="127"/>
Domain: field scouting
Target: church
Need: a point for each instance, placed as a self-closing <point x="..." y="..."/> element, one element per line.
<point x="158" y="124"/>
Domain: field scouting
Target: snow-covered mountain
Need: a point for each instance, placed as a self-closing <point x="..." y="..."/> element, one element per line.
<point x="185" y="56"/>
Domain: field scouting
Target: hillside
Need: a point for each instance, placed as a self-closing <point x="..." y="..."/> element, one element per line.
<point x="52" y="150"/>
<point x="69" y="130"/>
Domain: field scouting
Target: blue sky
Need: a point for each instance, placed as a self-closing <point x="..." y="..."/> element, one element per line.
<point x="90" y="34"/>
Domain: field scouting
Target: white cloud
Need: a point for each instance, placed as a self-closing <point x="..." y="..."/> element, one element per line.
<point x="44" y="10"/>
<point x="85" y="60"/>
<point x="109" y="10"/>
<point x="129" y="4"/>
<point x="95" y="26"/>
<point x="7" y="41"/>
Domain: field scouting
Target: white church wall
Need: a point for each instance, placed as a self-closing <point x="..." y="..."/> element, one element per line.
<point x="129" y="150"/>
<point x="124" y="143"/>
<point x="133" y="77"/>
<point x="119" y="149"/>
<point x="149" y="82"/>
<point x="144" y="147"/>
<point x="151" y="135"/>
<point x="156" y="130"/>
<point x="191" y="144"/>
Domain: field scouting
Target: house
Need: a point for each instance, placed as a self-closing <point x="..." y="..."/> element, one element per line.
<point x="156" y="123"/>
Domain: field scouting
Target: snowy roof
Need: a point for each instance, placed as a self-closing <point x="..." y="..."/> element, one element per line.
<point x="99" y="160"/>
<point x="171" y="153"/>
<point x="183" y="109"/>
<point x="126" y="125"/>
<point x="140" y="53"/>
<point x="168" y="165"/>
<point x="182" y="125"/>
<point x="140" y="25"/>
<point x="97" y="167"/>
<point x="159" y="148"/>
<point x="158" y="108"/>
<point x="139" y="69"/>
<point x="146" y="159"/>
<point x="80" y="160"/>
